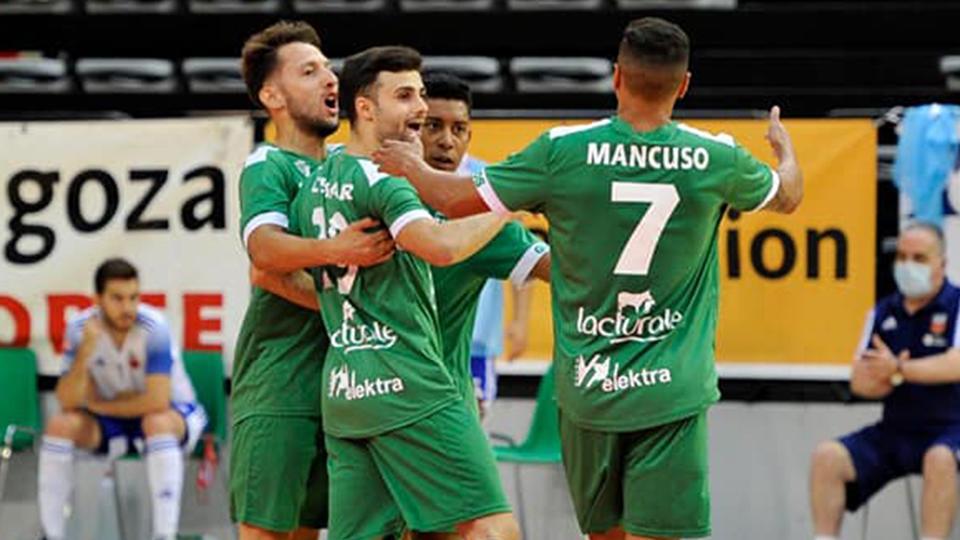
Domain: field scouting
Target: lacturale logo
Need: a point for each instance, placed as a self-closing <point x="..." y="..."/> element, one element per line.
<point x="354" y="335"/>
<point x="635" y="320"/>
<point x="344" y="384"/>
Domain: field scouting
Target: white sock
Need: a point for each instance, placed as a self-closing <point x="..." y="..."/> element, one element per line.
<point x="165" y="475"/>
<point x="55" y="484"/>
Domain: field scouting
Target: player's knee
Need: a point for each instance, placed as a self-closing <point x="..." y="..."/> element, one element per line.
<point x="66" y="425"/>
<point x="829" y="457"/>
<point x="939" y="461"/>
<point x="158" y="424"/>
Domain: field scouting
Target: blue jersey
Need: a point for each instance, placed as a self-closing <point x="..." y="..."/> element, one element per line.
<point x="147" y="349"/>
<point x="931" y="330"/>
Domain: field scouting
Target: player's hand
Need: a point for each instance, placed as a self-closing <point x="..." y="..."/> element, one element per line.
<point x="777" y="134"/>
<point x="516" y="337"/>
<point x="400" y="157"/>
<point x="881" y="364"/>
<point x="362" y="248"/>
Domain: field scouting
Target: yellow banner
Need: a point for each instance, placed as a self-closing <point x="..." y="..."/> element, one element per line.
<point x="794" y="289"/>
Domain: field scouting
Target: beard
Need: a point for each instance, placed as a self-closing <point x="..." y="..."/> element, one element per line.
<point x="315" y="126"/>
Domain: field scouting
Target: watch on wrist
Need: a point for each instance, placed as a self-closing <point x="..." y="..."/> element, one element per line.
<point x="897" y="378"/>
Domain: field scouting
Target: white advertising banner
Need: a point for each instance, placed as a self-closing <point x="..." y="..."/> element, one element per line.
<point x="159" y="193"/>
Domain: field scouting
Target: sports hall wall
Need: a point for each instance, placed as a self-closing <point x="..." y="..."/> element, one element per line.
<point x="164" y="194"/>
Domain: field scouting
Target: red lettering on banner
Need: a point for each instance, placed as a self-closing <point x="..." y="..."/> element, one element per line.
<point x="157" y="300"/>
<point x="57" y="305"/>
<point x="21" y="322"/>
<point x="194" y="324"/>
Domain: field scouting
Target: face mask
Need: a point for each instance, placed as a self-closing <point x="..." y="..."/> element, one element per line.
<point x="913" y="278"/>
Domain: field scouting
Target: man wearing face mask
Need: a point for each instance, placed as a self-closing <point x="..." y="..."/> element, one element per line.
<point x="909" y="357"/>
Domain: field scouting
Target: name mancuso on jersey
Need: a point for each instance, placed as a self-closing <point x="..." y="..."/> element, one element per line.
<point x="657" y="157"/>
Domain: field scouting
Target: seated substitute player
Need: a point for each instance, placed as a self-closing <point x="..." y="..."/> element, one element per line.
<point x="514" y="254"/>
<point x="909" y="356"/>
<point x="123" y="384"/>
<point x="406" y="450"/>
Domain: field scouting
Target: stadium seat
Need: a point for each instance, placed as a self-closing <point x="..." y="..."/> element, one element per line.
<point x="553" y="5"/>
<point x="34" y="76"/>
<point x="317" y="6"/>
<point x="234" y="6"/>
<point x="213" y="75"/>
<point x="96" y="7"/>
<point x="10" y="7"/>
<point x="482" y="73"/>
<point x="911" y="511"/>
<point x="127" y="75"/>
<point x="542" y="443"/>
<point x="205" y="370"/>
<point x="20" y="406"/>
<point x="950" y="68"/>
<point x="677" y="4"/>
<point x="446" y="5"/>
<point x="575" y="74"/>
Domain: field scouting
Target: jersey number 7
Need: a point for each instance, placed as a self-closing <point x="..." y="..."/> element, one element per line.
<point x="638" y="253"/>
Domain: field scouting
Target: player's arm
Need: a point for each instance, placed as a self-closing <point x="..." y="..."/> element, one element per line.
<point x="272" y="249"/>
<point x="74" y="385"/>
<point x="940" y="368"/>
<point x="156" y="398"/>
<point x="790" y="191"/>
<point x="443" y="244"/>
<point x="451" y="194"/>
<point x="296" y="287"/>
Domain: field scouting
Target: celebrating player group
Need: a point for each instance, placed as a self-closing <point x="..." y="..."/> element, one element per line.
<point x="354" y="408"/>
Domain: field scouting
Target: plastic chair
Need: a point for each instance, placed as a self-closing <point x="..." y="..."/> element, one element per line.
<point x="205" y="370"/>
<point x="542" y="443"/>
<point x="908" y="490"/>
<point x="20" y="406"/>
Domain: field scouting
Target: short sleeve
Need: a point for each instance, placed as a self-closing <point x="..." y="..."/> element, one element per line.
<point x="397" y="204"/>
<point x="520" y="181"/>
<point x="512" y="254"/>
<point x="867" y="331"/>
<point x="159" y="350"/>
<point x="752" y="183"/>
<point x="72" y="338"/>
<point x="264" y="197"/>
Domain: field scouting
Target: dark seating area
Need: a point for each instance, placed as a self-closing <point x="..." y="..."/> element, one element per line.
<point x="169" y="57"/>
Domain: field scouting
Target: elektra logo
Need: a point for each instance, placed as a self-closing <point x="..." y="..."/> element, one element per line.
<point x="590" y="373"/>
<point x="634" y="320"/>
<point x="343" y="384"/>
<point x="354" y="335"/>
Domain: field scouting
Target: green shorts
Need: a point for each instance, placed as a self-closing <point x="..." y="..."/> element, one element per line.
<point x="427" y="476"/>
<point x="653" y="482"/>
<point x="278" y="473"/>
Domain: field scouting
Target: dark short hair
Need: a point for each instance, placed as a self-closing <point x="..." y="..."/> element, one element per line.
<point x="931" y="228"/>
<point x="360" y="72"/>
<point x="113" y="269"/>
<point x="443" y="85"/>
<point x="259" y="56"/>
<point x="659" y="51"/>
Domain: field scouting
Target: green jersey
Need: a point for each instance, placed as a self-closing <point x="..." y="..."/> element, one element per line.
<point x="279" y="352"/>
<point x="633" y="228"/>
<point x="384" y="368"/>
<point x="511" y="254"/>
